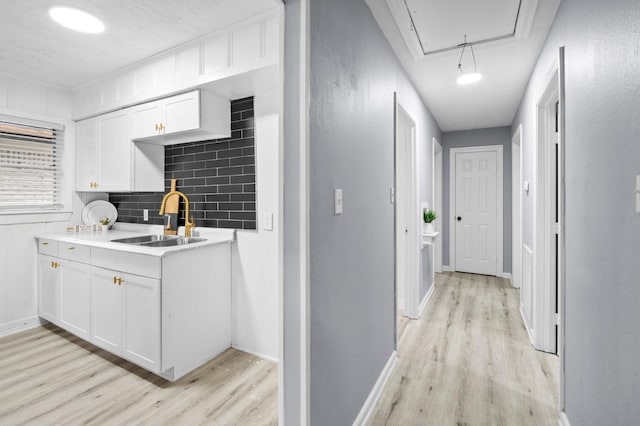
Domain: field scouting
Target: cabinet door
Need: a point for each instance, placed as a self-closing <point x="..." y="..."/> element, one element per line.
<point x="75" y="298"/>
<point x="141" y="311"/>
<point x="114" y="152"/>
<point x="106" y="312"/>
<point x="182" y="112"/>
<point x="87" y="154"/>
<point x="48" y="288"/>
<point x="146" y="119"/>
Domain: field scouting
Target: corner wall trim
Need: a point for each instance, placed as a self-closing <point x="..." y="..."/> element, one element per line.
<point x="564" y="420"/>
<point x="20" y="325"/>
<point x="426" y="299"/>
<point x="372" y="399"/>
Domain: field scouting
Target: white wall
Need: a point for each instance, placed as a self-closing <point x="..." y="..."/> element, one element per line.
<point x="256" y="255"/>
<point x="18" y="250"/>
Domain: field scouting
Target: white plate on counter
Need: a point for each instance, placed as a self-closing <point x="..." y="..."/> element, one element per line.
<point x="99" y="209"/>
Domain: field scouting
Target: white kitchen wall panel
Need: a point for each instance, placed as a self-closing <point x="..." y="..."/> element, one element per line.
<point x="248" y="46"/>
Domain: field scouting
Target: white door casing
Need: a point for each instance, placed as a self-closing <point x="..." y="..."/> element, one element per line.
<point x="476" y="197"/>
<point x="437" y="202"/>
<point x="408" y="230"/>
<point x="545" y="253"/>
<point x="516" y="208"/>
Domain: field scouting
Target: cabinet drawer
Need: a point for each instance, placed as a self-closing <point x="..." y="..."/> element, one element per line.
<point x="133" y="263"/>
<point x="48" y="247"/>
<point x="74" y="252"/>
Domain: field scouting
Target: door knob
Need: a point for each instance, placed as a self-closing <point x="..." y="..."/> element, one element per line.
<point x="459" y="218"/>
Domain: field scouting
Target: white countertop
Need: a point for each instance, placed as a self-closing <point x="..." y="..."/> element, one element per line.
<point x="104" y="239"/>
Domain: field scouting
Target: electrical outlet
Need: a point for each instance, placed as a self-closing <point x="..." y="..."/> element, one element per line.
<point x="145" y="215"/>
<point x="267" y="221"/>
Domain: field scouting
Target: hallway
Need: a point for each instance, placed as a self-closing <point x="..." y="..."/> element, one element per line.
<point x="468" y="361"/>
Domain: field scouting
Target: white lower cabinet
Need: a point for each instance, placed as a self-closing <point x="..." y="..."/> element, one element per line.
<point x="168" y="314"/>
<point x="48" y="287"/>
<point x="126" y="316"/>
<point x="75" y="297"/>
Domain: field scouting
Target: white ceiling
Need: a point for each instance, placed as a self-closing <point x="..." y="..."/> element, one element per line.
<point x="34" y="47"/>
<point x="506" y="64"/>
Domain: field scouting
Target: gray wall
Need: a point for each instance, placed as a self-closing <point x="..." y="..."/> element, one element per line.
<point x="479" y="137"/>
<point x="354" y="74"/>
<point x="602" y="231"/>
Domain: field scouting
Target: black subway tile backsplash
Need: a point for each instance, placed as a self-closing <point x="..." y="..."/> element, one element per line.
<point x="218" y="176"/>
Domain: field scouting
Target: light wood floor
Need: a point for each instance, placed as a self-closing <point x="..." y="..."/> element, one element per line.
<point x="50" y="377"/>
<point x="468" y="361"/>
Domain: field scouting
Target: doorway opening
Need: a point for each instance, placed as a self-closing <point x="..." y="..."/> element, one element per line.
<point x="547" y="223"/>
<point x="476" y="207"/>
<point x="407" y="227"/>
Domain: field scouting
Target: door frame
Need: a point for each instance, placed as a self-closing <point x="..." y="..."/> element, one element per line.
<point x="498" y="149"/>
<point x="516" y="207"/>
<point x="411" y="261"/>
<point x="438" y="204"/>
<point x="544" y="280"/>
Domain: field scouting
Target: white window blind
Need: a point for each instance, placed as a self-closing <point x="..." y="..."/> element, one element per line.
<point x="30" y="167"/>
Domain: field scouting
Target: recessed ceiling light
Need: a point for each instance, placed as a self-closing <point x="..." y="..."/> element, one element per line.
<point x="469" y="78"/>
<point x="76" y="19"/>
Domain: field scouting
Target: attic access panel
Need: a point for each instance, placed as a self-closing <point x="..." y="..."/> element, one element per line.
<point x="441" y="25"/>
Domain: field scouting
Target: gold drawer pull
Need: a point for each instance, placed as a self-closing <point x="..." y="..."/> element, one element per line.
<point x="71" y="248"/>
<point x="45" y="243"/>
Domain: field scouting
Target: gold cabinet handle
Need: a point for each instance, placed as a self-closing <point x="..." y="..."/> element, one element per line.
<point x="52" y="264"/>
<point x="120" y="281"/>
<point x="115" y="280"/>
<point x="71" y="248"/>
<point x="45" y="243"/>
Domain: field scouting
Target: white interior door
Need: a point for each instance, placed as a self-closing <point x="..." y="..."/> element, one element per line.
<point x="476" y="212"/>
<point x="407" y="216"/>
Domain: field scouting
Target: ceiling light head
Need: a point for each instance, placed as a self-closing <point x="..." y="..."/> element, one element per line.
<point x="76" y="19"/>
<point x="469" y="78"/>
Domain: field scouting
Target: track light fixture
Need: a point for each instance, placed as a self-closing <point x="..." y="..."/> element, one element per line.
<point x="469" y="77"/>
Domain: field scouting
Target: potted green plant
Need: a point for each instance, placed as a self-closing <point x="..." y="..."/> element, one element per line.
<point x="429" y="216"/>
<point x="105" y="224"/>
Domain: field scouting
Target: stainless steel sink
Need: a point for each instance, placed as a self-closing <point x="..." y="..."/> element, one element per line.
<point x="159" y="240"/>
<point x="174" y="242"/>
<point x="145" y="239"/>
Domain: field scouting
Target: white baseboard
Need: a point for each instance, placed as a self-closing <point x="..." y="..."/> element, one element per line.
<point x="426" y="299"/>
<point x="267" y="357"/>
<point x="512" y="282"/>
<point x="446" y="268"/>
<point x="564" y="420"/>
<point x="400" y="304"/>
<point x="372" y="399"/>
<point x="505" y="275"/>
<point x="20" y="325"/>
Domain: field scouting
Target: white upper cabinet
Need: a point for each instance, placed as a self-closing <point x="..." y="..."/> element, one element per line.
<point x="189" y="117"/>
<point x="108" y="161"/>
<point x="237" y="50"/>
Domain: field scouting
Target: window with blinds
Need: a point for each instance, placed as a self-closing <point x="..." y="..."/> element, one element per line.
<point x="30" y="167"/>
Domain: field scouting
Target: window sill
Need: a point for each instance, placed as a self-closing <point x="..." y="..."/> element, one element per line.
<point x="21" y="217"/>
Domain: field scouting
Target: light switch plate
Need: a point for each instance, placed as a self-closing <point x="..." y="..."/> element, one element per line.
<point x="267" y="221"/>
<point x="145" y="215"/>
<point x="638" y="194"/>
<point x="337" y="201"/>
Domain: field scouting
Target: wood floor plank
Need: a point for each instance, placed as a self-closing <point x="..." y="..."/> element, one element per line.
<point x="52" y="377"/>
<point x="468" y="361"/>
